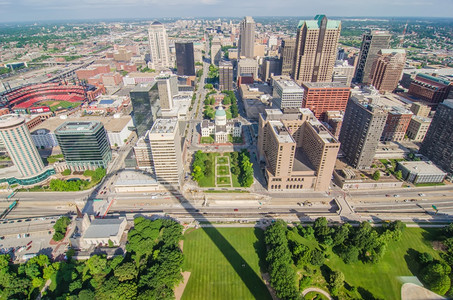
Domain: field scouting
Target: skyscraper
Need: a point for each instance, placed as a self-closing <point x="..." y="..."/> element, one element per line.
<point x="387" y="69"/>
<point x="19" y="144"/>
<point x="287" y="55"/>
<point x="361" y="130"/>
<point x="247" y="37"/>
<point x="287" y="94"/>
<point x="160" y="56"/>
<point x="371" y="44"/>
<point x="168" y="88"/>
<point x="438" y="142"/>
<point x="145" y="106"/>
<point x="84" y="145"/>
<point x="216" y="51"/>
<point x="316" y="50"/>
<point x="165" y="144"/>
<point x="226" y="76"/>
<point x="185" y="62"/>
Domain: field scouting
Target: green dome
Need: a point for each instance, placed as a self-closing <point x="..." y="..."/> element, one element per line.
<point x="220" y="112"/>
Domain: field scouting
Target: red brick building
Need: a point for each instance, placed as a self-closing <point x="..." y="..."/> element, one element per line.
<point x="430" y="88"/>
<point x="398" y="120"/>
<point x="92" y="71"/>
<point x="321" y="97"/>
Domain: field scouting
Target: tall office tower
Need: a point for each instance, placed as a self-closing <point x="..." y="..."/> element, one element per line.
<point x="387" y="69"/>
<point x="247" y="37"/>
<point x="270" y="67"/>
<point x="165" y="144"/>
<point x="19" y="144"/>
<point x="321" y="97"/>
<point x="398" y="119"/>
<point x="84" y="145"/>
<point x="438" y="142"/>
<point x="168" y="88"/>
<point x="343" y="72"/>
<point x="185" y="60"/>
<point x="142" y="153"/>
<point x="287" y="55"/>
<point x="287" y="94"/>
<point x="362" y="128"/>
<point x="316" y="50"/>
<point x="216" y="51"/>
<point x="371" y="44"/>
<point x="145" y="106"/>
<point x="160" y="55"/>
<point x="226" y="75"/>
<point x="433" y="89"/>
<point x="298" y="150"/>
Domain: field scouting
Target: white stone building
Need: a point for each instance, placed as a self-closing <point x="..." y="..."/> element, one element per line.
<point x="221" y="127"/>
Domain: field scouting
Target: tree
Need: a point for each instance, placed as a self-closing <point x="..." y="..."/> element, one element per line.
<point x="340" y="234"/>
<point x="349" y="254"/>
<point x="317" y="257"/>
<point x="336" y="281"/>
<point x="399" y="174"/>
<point x="126" y="271"/>
<point x="376" y="175"/>
<point x="226" y="100"/>
<point x="66" y="172"/>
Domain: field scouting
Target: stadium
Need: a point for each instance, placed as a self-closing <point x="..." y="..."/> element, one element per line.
<point x="46" y="97"/>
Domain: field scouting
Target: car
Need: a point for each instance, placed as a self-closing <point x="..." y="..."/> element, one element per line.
<point x="236" y="209"/>
<point x="29" y="243"/>
<point x="422" y="195"/>
<point x="388" y="195"/>
<point x="396" y="195"/>
<point x="28" y="248"/>
<point x="2" y="237"/>
<point x="18" y="236"/>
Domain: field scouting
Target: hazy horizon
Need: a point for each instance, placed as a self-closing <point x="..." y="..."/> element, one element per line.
<point x="62" y="10"/>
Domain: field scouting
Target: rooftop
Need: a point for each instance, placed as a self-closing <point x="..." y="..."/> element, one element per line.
<point x="143" y="87"/>
<point x="101" y="228"/>
<point x="281" y="133"/>
<point x="164" y="126"/>
<point x="111" y="124"/>
<point x="289" y="86"/>
<point x="315" y="24"/>
<point x="390" y="51"/>
<point x="314" y="85"/>
<point x="448" y="103"/>
<point x="10" y="120"/>
<point x="78" y="127"/>
<point x="422" y="167"/>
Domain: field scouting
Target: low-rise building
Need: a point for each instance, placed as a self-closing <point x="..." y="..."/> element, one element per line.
<point x="421" y="172"/>
<point x="418" y="127"/>
<point x="221" y="127"/>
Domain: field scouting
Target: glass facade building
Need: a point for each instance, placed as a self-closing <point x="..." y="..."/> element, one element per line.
<point x="84" y="145"/>
<point x="145" y="105"/>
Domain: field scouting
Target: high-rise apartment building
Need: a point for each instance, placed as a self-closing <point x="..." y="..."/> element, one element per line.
<point x="287" y="55"/>
<point x="158" y="42"/>
<point x="287" y="94"/>
<point x="84" y="145"/>
<point x="247" y="37"/>
<point x="145" y="106"/>
<point x="433" y="89"/>
<point x="216" y="51"/>
<point x="398" y="119"/>
<point x="371" y="44"/>
<point x="19" y="144"/>
<point x="361" y="130"/>
<point x="321" y="97"/>
<point x="316" y="50"/>
<point x="185" y="61"/>
<point x="438" y="142"/>
<point x="226" y="75"/>
<point x="167" y="86"/>
<point x="387" y="69"/>
<point x="165" y="144"/>
<point x="298" y="150"/>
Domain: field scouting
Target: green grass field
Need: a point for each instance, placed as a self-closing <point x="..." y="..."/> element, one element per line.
<point x="223" y="170"/>
<point x="207" y="140"/>
<point x="222" y="160"/>
<point x="224" y="264"/>
<point x="223" y="180"/>
<point x="382" y="279"/>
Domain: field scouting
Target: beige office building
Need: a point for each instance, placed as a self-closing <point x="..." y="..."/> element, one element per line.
<point x="165" y="144"/>
<point x="287" y="55"/>
<point x="167" y="86"/>
<point x="316" y="50"/>
<point x="420" y="109"/>
<point x="158" y="42"/>
<point x="299" y="152"/>
<point x="247" y="37"/>
<point x="216" y="51"/>
<point x="142" y="152"/>
<point x="19" y="144"/>
<point x="418" y="127"/>
<point x="248" y="66"/>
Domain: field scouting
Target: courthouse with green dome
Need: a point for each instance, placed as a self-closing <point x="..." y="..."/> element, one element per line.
<point x="221" y="127"/>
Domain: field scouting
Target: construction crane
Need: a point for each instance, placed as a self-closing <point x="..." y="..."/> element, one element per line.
<point x="402" y="38"/>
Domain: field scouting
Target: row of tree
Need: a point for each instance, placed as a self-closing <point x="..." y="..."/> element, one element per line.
<point x="202" y="165"/>
<point x="234" y="106"/>
<point x="150" y="269"/>
<point x="60" y="228"/>
<point x="242" y="167"/>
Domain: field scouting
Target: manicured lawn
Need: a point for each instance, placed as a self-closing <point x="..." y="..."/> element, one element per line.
<point x="382" y="279"/>
<point x="207" y="140"/>
<point x="314" y="295"/>
<point x="54" y="105"/>
<point x="430" y="184"/>
<point x="209" y="181"/>
<point x="224" y="264"/>
<point x="222" y="160"/>
<point x="235" y="180"/>
<point x="223" y="170"/>
<point x="223" y="180"/>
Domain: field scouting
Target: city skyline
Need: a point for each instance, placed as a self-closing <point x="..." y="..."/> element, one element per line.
<point x="40" y="10"/>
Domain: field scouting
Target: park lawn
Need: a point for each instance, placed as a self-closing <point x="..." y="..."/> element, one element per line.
<point x="228" y="113"/>
<point x="207" y="140"/>
<point x="235" y="180"/>
<point x="314" y="295"/>
<point x="381" y="279"/>
<point x="209" y="181"/>
<point x="213" y="255"/>
<point x="222" y="160"/>
<point x="223" y="180"/>
<point x="223" y="170"/>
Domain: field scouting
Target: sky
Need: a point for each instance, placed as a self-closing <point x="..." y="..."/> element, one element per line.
<point x="42" y="10"/>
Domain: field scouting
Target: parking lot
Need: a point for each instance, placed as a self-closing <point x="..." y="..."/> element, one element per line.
<point x="26" y="237"/>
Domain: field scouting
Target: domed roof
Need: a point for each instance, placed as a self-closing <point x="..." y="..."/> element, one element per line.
<point x="220" y="112"/>
<point x="156" y="23"/>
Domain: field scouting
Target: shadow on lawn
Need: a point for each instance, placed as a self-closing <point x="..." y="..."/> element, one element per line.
<point x="251" y="280"/>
